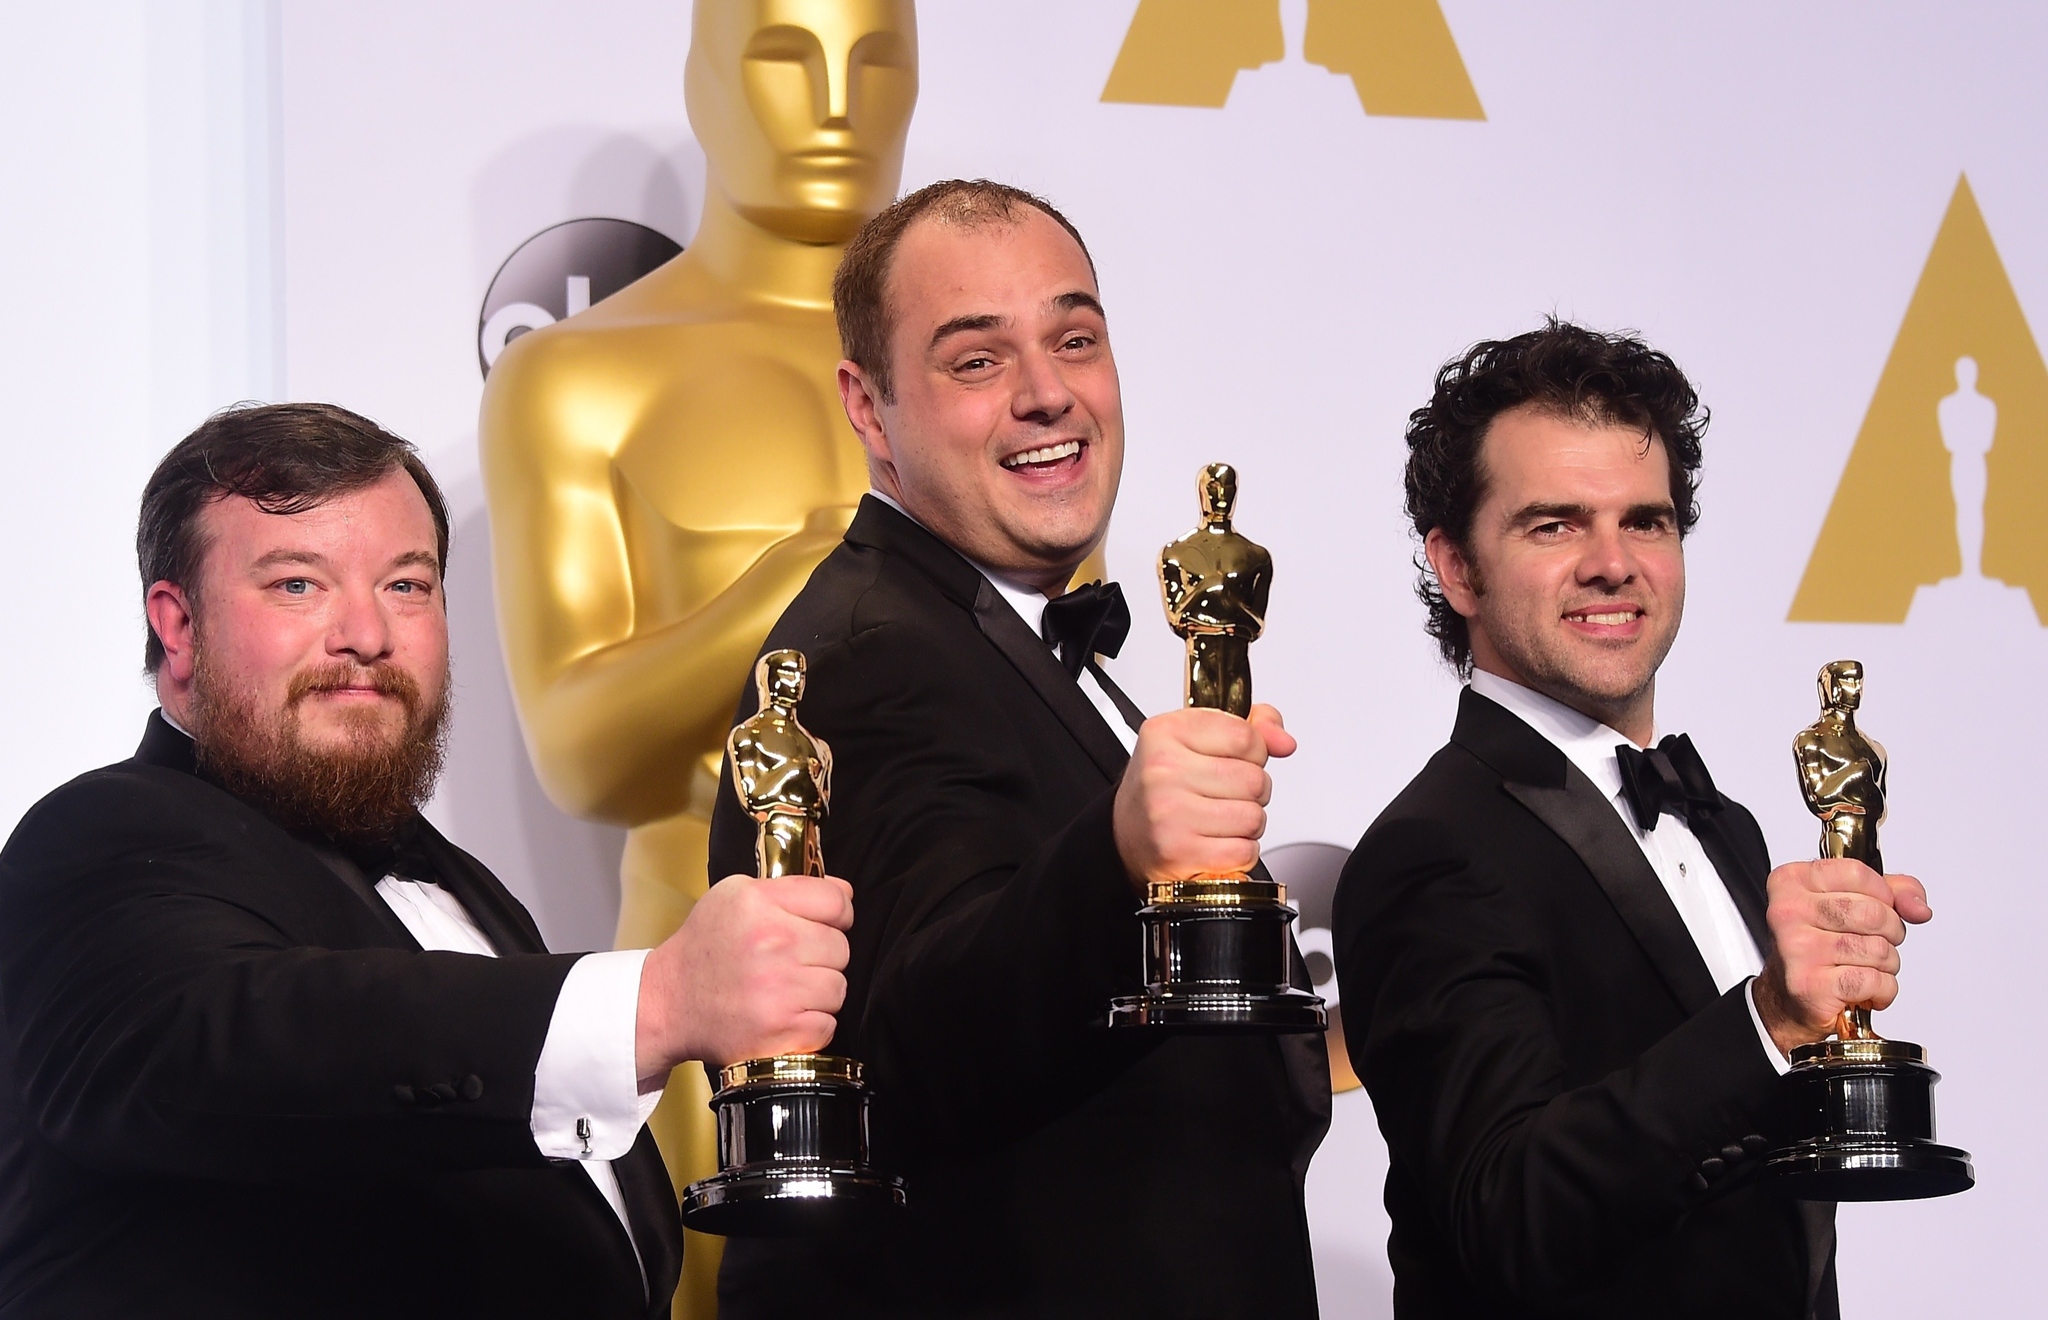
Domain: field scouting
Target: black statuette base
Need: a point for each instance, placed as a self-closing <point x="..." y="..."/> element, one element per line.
<point x="793" y="1160"/>
<point x="1219" y="968"/>
<point x="796" y="1200"/>
<point x="1863" y="1129"/>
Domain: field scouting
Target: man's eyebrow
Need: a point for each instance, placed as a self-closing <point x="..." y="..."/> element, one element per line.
<point x="1540" y="511"/>
<point x="418" y="558"/>
<point x="278" y="557"/>
<point x="1077" y="299"/>
<point x="1653" y="509"/>
<point x="961" y="325"/>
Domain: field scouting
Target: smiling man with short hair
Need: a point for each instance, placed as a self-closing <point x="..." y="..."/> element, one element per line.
<point x="1569" y="983"/>
<point x="998" y="806"/>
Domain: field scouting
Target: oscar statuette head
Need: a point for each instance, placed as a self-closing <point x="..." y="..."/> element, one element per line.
<point x="1219" y="493"/>
<point x="802" y="107"/>
<point x="1841" y="685"/>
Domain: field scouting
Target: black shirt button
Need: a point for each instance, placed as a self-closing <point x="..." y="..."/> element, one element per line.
<point x="471" y="1087"/>
<point x="1754" y="1143"/>
<point x="441" y="1091"/>
<point x="1713" y="1166"/>
<point x="1699" y="1182"/>
<point x="1733" y="1154"/>
<point x="403" y="1094"/>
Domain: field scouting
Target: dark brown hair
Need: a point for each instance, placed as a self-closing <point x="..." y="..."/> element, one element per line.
<point x="1565" y="369"/>
<point x="860" y="288"/>
<point x="287" y="458"/>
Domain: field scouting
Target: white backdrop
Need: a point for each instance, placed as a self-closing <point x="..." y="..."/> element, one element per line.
<point x="302" y="199"/>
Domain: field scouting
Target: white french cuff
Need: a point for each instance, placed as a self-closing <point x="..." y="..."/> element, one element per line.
<point x="586" y="1094"/>
<point x="1778" y="1061"/>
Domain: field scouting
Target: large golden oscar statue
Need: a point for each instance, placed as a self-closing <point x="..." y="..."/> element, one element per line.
<point x="665" y="469"/>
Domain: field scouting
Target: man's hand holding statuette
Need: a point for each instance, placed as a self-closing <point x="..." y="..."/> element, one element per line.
<point x="758" y="968"/>
<point x="1193" y="798"/>
<point x="1837" y="925"/>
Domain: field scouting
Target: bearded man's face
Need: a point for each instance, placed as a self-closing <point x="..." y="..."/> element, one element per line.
<point x="311" y="666"/>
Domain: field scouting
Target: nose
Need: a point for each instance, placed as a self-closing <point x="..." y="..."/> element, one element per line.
<point x="361" y="630"/>
<point x="836" y="70"/>
<point x="1042" y="394"/>
<point x="1607" y="560"/>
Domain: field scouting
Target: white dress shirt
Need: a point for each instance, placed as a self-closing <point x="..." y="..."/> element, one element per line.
<point x="586" y="1072"/>
<point x="1030" y="606"/>
<point x="1673" y="851"/>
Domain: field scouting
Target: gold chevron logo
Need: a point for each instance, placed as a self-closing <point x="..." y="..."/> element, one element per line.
<point x="1945" y="496"/>
<point x="1399" y="54"/>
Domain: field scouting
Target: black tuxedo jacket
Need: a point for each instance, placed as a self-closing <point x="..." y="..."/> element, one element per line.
<point x="1054" y="1168"/>
<point x="231" y="1083"/>
<point x="1573" y="1114"/>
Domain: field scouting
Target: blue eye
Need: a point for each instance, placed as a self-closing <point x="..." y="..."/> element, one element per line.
<point x="297" y="586"/>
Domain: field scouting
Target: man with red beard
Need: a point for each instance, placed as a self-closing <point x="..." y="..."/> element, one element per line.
<point x="269" y="1044"/>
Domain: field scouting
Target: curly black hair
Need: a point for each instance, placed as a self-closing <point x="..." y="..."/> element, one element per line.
<point x="1611" y="380"/>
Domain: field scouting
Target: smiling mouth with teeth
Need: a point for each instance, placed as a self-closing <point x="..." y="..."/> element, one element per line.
<point x="1046" y="455"/>
<point x="1611" y="618"/>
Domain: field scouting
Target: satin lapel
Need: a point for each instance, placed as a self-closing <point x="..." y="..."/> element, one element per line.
<point x="1539" y="776"/>
<point x="499" y="915"/>
<point x="878" y="526"/>
<point x="1742" y="875"/>
<point x="1036" y="662"/>
<point x="657" y="1224"/>
<point x="1579" y="815"/>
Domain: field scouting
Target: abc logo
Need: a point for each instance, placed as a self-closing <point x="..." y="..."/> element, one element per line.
<point x="559" y="272"/>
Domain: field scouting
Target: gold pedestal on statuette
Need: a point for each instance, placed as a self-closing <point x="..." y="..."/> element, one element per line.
<point x="1859" y="1109"/>
<point x="1218" y="950"/>
<point x="792" y="1128"/>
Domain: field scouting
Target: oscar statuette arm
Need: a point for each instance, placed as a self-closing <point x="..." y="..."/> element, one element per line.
<point x="610" y="708"/>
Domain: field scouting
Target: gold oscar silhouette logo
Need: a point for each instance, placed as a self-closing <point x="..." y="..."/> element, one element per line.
<point x="1942" y="511"/>
<point x="1399" y="54"/>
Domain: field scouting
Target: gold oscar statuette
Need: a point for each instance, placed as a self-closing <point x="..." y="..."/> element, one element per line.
<point x="1218" y="949"/>
<point x="792" y="1128"/>
<point x="1859" y="1109"/>
<point x="665" y="469"/>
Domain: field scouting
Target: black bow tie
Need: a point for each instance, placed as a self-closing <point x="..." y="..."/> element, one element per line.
<point x="400" y="855"/>
<point x="1668" y="777"/>
<point x="1085" y="621"/>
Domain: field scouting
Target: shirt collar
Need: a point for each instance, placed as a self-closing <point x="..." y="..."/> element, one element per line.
<point x="1585" y="741"/>
<point x="1028" y="602"/>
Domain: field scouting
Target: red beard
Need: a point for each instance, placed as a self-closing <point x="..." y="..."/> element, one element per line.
<point x="360" y="791"/>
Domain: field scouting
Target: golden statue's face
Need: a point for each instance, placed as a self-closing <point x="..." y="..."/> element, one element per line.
<point x="1841" y="685"/>
<point x="782" y="677"/>
<point x="1219" y="490"/>
<point x="802" y="107"/>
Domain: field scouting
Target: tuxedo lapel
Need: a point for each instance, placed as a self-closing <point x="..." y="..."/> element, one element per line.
<point x="657" y="1223"/>
<point x="1539" y="776"/>
<point x="1742" y="874"/>
<point x="1034" y="660"/>
<point x="502" y="919"/>
<point x="880" y="527"/>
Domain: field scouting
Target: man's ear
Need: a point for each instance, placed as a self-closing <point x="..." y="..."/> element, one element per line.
<point x="1453" y="572"/>
<point x="172" y="618"/>
<point x="863" y="404"/>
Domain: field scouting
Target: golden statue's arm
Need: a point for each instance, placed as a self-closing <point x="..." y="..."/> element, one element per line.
<point x="610" y="709"/>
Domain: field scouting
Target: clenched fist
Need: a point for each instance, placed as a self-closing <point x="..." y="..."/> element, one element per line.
<point x="758" y="968"/>
<point x="1837" y="925"/>
<point x="1193" y="799"/>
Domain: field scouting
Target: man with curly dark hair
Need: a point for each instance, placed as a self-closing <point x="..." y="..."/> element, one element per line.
<point x="1571" y="977"/>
